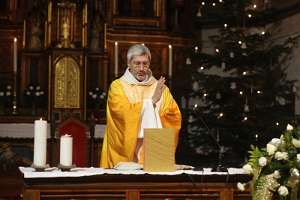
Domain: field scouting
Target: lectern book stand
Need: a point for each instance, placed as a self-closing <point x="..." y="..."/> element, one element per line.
<point x="159" y="149"/>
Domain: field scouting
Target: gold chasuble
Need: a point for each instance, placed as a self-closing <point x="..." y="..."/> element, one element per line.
<point x="124" y="106"/>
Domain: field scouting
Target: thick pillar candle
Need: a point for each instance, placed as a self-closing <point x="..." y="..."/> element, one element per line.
<point x="66" y="150"/>
<point x="40" y="143"/>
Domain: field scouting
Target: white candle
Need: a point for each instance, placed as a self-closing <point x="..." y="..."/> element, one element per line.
<point x="116" y="59"/>
<point x="45" y="38"/>
<point x="170" y="60"/>
<point x="24" y="33"/>
<point x="66" y="150"/>
<point x="40" y="143"/>
<point x="15" y="55"/>
<point x="105" y="29"/>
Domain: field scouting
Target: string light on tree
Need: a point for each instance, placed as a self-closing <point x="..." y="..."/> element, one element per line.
<point x="200" y="69"/>
<point x="220" y="115"/>
<point x="195" y="106"/>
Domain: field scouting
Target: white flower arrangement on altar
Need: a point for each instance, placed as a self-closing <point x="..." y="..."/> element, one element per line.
<point x="98" y="97"/>
<point x="275" y="169"/>
<point x="34" y="91"/>
<point x="7" y="92"/>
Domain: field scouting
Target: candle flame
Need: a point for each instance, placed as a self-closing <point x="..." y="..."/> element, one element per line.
<point x="41" y="118"/>
<point x="116" y="43"/>
<point x="170" y="46"/>
<point x="67" y="135"/>
<point x="15" y="39"/>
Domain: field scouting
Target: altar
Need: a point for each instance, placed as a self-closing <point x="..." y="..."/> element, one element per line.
<point x="98" y="183"/>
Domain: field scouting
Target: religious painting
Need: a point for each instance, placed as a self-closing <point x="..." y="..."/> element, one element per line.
<point x="67" y="83"/>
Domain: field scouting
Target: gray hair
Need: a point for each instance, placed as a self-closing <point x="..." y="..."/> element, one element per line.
<point x="137" y="50"/>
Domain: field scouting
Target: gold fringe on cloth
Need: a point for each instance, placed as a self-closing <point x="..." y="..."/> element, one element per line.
<point x="265" y="187"/>
<point x="293" y="183"/>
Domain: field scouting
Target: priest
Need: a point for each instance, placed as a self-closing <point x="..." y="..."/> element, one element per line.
<point x="136" y="101"/>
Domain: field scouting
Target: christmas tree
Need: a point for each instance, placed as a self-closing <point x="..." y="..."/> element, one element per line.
<point x="239" y="94"/>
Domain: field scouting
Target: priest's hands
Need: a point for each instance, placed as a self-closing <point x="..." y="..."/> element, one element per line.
<point x="158" y="90"/>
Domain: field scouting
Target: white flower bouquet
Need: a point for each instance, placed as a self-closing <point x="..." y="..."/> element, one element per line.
<point x="98" y="97"/>
<point x="34" y="91"/>
<point x="275" y="169"/>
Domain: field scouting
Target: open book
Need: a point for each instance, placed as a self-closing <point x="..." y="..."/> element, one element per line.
<point x="128" y="166"/>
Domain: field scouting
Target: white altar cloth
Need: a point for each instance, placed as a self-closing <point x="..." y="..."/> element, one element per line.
<point x="54" y="172"/>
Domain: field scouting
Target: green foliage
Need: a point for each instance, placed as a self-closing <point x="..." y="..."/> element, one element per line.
<point x="255" y="154"/>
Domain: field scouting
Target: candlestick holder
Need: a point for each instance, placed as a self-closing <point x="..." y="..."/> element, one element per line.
<point x="66" y="168"/>
<point x="14" y="100"/>
<point x="220" y="167"/>
<point x="40" y="168"/>
<point x="14" y="106"/>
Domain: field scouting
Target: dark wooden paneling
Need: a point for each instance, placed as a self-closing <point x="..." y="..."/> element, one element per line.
<point x="134" y="187"/>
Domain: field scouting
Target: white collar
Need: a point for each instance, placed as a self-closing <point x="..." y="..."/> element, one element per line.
<point x="129" y="78"/>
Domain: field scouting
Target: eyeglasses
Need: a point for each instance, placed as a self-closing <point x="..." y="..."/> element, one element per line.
<point x="145" y="64"/>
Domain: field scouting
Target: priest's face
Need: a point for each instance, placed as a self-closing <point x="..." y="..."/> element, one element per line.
<point x="139" y="67"/>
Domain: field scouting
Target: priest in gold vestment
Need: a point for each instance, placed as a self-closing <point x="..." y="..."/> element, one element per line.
<point x="136" y="101"/>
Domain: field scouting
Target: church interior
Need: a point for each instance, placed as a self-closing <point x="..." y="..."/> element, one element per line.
<point x="58" y="58"/>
